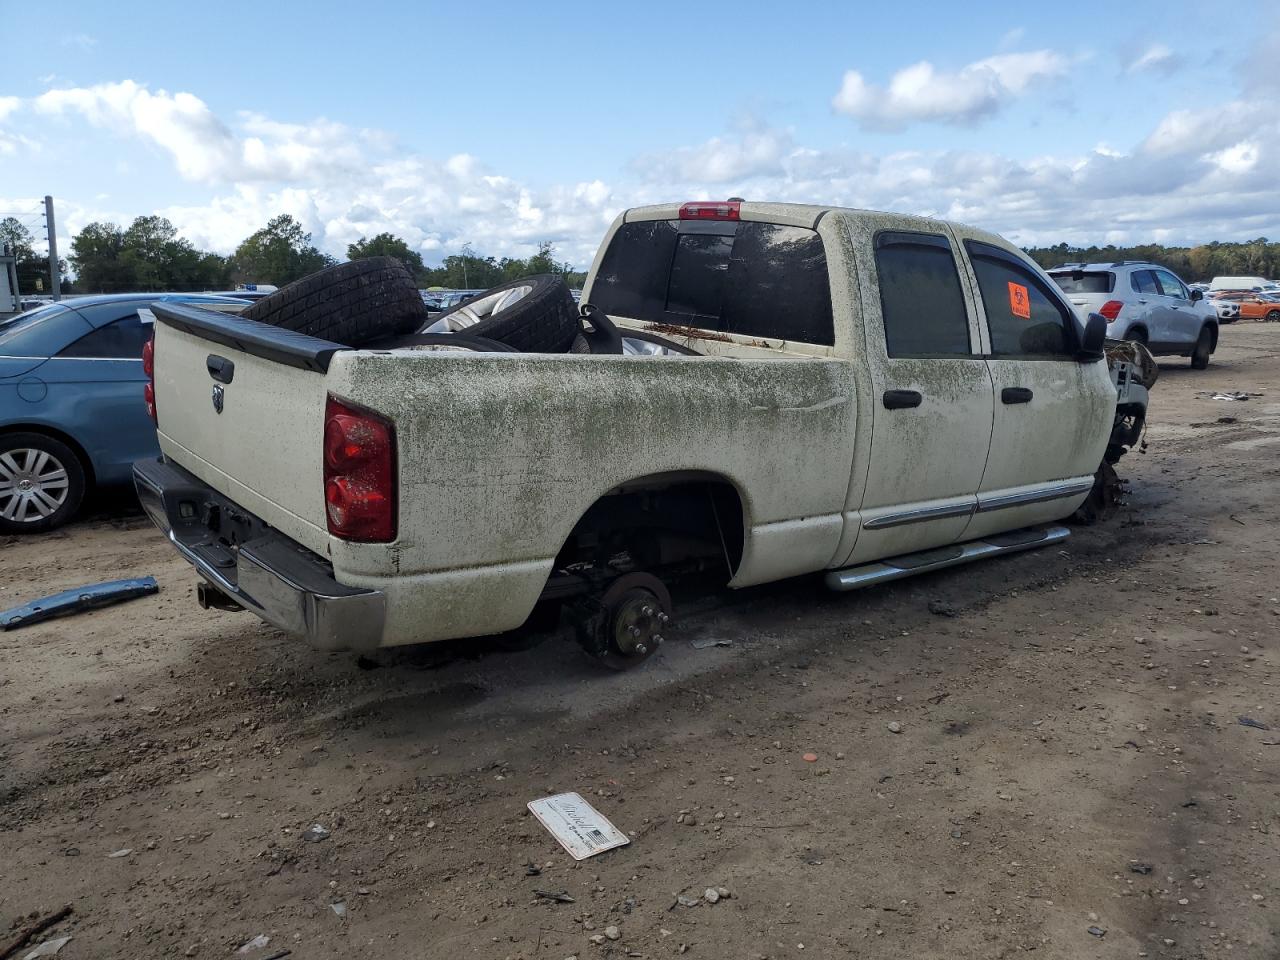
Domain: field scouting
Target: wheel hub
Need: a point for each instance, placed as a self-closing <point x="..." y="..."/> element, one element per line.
<point x="627" y="623"/>
<point x="33" y="484"/>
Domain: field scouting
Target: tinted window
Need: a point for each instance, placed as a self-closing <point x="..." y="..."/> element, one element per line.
<point x="1170" y="285"/>
<point x="920" y="297"/>
<point x="756" y="279"/>
<point x="1078" y="281"/>
<point x="121" y="340"/>
<point x="1026" y="318"/>
<point x="1144" y="281"/>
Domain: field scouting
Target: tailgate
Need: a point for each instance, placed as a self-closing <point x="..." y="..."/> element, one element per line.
<point x="241" y="405"/>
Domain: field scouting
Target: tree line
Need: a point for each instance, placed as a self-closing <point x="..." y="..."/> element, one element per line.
<point x="149" y="255"/>
<point x="1253" y="258"/>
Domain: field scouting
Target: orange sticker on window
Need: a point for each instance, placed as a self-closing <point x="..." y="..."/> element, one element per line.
<point x="1019" y="302"/>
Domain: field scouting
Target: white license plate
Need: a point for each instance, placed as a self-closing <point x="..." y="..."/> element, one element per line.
<point x="581" y="829"/>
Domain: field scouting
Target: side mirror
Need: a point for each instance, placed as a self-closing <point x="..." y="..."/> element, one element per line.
<point x="1197" y="295"/>
<point x="1095" y="332"/>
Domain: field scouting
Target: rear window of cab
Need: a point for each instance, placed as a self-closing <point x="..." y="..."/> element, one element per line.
<point x="741" y="277"/>
<point x="1085" y="281"/>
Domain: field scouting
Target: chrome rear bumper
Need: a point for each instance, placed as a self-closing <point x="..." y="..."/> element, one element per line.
<point x="266" y="573"/>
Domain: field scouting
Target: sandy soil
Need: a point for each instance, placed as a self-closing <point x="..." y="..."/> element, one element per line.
<point x="1075" y="722"/>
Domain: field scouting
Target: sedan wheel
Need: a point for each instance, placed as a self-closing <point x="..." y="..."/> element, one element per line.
<point x="1273" y="316"/>
<point x="41" y="483"/>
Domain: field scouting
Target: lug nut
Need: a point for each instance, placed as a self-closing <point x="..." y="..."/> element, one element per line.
<point x="634" y="631"/>
<point x="647" y="610"/>
<point x="657" y="639"/>
<point x="662" y="617"/>
<point x="641" y="649"/>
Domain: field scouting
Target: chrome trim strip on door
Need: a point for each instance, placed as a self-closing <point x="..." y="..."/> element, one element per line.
<point x="919" y="515"/>
<point x="1059" y="491"/>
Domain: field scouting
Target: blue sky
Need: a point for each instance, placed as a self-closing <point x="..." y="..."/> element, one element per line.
<point x="505" y="124"/>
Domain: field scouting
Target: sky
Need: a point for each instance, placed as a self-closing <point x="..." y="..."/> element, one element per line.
<point x="507" y="124"/>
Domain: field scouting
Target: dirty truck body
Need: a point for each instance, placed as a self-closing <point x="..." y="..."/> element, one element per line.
<point x="870" y="386"/>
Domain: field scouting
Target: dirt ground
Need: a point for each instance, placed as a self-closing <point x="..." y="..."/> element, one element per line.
<point x="1070" y="757"/>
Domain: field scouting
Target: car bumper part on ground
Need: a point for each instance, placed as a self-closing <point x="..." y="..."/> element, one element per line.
<point x="268" y="574"/>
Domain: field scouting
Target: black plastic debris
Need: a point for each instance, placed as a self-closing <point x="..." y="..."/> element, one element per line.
<point x="1256" y="724"/>
<point x="77" y="601"/>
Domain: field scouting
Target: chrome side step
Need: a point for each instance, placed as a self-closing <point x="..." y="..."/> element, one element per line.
<point x="910" y="564"/>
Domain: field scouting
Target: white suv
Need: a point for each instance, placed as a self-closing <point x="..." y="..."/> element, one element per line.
<point x="1144" y="302"/>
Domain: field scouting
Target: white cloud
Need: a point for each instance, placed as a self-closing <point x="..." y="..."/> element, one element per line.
<point x="921" y="92"/>
<point x="1157" y="58"/>
<point x="8" y="105"/>
<point x="1198" y="175"/>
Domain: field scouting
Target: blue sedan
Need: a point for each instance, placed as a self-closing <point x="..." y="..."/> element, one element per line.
<point x="72" y="414"/>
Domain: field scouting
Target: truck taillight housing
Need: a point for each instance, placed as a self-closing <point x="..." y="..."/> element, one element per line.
<point x="149" y="369"/>
<point x="359" y="474"/>
<point x="712" y="210"/>
<point x="1111" y="309"/>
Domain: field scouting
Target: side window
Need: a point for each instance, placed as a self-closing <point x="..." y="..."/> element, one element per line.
<point x="1144" y="281"/>
<point x="121" y="340"/>
<point x="1170" y="285"/>
<point x="921" y="301"/>
<point x="1025" y="317"/>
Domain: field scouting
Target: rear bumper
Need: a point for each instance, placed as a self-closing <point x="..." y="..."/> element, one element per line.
<point x="266" y="573"/>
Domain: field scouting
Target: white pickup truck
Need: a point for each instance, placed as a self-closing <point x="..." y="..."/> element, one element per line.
<point x="867" y="394"/>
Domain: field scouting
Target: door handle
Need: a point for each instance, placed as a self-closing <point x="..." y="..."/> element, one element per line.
<point x="901" y="399"/>
<point x="1016" y="395"/>
<point x="220" y="368"/>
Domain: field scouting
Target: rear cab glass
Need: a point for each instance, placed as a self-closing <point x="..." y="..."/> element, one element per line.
<point x="1084" y="281"/>
<point x="748" y="278"/>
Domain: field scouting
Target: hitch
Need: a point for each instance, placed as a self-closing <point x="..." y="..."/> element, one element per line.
<point x="211" y="598"/>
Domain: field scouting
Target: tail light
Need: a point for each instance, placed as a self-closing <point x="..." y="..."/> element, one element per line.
<point x="359" y="474"/>
<point x="149" y="368"/>
<point x="1111" y="309"/>
<point x="711" y="210"/>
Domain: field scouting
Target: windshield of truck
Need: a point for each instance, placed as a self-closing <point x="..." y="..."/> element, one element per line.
<point x="755" y="279"/>
<point x="1100" y="281"/>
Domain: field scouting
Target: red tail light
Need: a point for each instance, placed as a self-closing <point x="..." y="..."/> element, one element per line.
<point x="1111" y="309"/>
<point x="359" y="474"/>
<point x="149" y="368"/>
<point x="711" y="210"/>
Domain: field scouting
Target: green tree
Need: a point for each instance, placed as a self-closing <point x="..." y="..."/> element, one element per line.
<point x="386" y="245"/>
<point x="97" y="256"/>
<point x="279" y="253"/>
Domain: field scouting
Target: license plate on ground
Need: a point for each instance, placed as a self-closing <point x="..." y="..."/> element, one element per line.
<point x="581" y="828"/>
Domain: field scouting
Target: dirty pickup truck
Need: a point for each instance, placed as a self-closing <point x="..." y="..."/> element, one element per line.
<point x="868" y="395"/>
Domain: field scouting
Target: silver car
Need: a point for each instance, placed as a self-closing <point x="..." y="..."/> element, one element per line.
<point x="1144" y="302"/>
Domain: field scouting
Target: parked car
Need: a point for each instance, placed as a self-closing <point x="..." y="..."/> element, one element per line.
<point x="833" y="398"/>
<point x="1144" y="302"/>
<point x="1251" y="306"/>
<point x="1228" y="310"/>
<point x="71" y="409"/>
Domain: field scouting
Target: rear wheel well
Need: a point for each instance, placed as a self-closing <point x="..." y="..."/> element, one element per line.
<point x="668" y="521"/>
<point x="85" y="463"/>
<point x="1137" y="332"/>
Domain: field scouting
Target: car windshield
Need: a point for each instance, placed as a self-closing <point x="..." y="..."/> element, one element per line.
<point x="1078" y="281"/>
<point x="9" y="329"/>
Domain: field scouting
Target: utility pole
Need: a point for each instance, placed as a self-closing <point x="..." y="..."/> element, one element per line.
<point x="466" y="255"/>
<point x="54" y="278"/>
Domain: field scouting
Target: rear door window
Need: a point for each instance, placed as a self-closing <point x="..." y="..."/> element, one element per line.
<point x="1026" y="317"/>
<point x="1144" y="281"/>
<point x="749" y="278"/>
<point x="1080" y="281"/>
<point x="921" y="301"/>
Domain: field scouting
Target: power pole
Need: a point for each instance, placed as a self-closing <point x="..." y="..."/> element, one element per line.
<point x="54" y="278"/>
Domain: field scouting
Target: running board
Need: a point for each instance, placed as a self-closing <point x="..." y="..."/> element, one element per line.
<point x="926" y="561"/>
